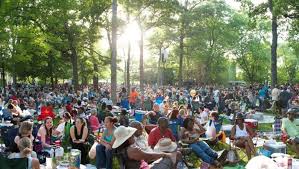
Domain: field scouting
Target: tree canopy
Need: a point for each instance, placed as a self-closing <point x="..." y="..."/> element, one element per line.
<point x="50" y="41"/>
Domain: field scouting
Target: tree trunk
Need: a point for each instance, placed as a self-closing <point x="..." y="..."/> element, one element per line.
<point x="74" y="57"/>
<point x="182" y="37"/>
<point x="114" y="52"/>
<point x="95" y="76"/>
<point x="50" y="64"/>
<point x="181" y="56"/>
<point x="273" y="46"/>
<point x="141" y="71"/>
<point x="159" y="67"/>
<point x="128" y="68"/>
<point x="3" y="78"/>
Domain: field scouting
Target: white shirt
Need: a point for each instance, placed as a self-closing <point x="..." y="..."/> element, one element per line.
<point x="241" y="133"/>
<point x="275" y="93"/>
<point x="142" y="142"/>
<point x="204" y="116"/>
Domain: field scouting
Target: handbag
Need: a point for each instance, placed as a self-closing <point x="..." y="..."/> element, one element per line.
<point x="92" y="151"/>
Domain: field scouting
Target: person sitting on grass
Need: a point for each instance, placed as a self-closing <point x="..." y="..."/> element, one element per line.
<point x="134" y="158"/>
<point x="25" y="130"/>
<point x="290" y="126"/>
<point x="154" y="115"/>
<point x="94" y="121"/>
<point x="46" y="132"/>
<point x="191" y="135"/>
<point x="25" y="147"/>
<point x="161" y="131"/>
<point x="175" y="122"/>
<point x="123" y="118"/>
<point x="79" y="133"/>
<point x="141" y="136"/>
<point x="104" y="149"/>
<point x="214" y="121"/>
<point x="242" y="136"/>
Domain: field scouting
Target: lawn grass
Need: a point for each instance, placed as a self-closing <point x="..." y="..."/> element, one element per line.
<point x="265" y="127"/>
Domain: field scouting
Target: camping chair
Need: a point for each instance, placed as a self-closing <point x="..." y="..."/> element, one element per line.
<point x="18" y="163"/>
<point x="241" y="149"/>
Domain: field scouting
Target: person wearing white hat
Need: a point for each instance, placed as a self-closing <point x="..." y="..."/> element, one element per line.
<point x="133" y="157"/>
<point x="290" y="127"/>
<point x="165" y="145"/>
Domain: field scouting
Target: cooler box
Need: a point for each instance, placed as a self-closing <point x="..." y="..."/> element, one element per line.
<point x="277" y="147"/>
<point x="139" y="115"/>
<point x="251" y="123"/>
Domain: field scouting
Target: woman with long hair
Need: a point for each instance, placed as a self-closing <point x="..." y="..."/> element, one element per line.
<point x="191" y="135"/>
<point x="79" y="133"/>
<point x="45" y="133"/>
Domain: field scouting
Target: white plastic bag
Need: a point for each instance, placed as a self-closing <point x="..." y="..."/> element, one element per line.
<point x="211" y="131"/>
<point x="92" y="151"/>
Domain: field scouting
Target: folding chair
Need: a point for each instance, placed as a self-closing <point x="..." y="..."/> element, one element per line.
<point x="239" y="149"/>
<point x="18" y="163"/>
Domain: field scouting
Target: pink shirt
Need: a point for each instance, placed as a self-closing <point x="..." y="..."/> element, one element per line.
<point x="94" y="123"/>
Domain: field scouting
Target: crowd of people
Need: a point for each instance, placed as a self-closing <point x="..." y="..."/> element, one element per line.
<point x="171" y="117"/>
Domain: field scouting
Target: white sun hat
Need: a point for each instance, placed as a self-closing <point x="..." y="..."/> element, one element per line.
<point x="122" y="134"/>
<point x="165" y="145"/>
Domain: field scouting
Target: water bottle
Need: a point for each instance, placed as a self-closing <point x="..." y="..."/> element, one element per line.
<point x="290" y="163"/>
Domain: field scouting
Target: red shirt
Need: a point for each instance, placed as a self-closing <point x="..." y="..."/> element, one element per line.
<point x="155" y="135"/>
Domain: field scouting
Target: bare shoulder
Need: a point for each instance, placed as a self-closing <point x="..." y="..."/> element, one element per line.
<point x="35" y="163"/>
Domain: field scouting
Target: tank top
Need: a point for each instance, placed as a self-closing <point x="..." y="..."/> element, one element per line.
<point x="18" y="155"/>
<point x="241" y="133"/>
<point x="79" y="136"/>
<point x="108" y="138"/>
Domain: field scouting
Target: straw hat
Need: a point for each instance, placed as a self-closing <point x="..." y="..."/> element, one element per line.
<point x="122" y="134"/>
<point x="165" y="145"/>
<point x="193" y="93"/>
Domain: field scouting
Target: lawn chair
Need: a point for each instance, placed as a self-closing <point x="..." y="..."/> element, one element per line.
<point x="241" y="150"/>
<point x="18" y="163"/>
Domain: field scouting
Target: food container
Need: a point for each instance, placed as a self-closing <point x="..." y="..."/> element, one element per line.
<point x="75" y="159"/>
<point x="251" y="123"/>
<point x="277" y="147"/>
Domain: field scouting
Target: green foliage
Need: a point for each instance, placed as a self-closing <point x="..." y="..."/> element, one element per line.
<point x="43" y="39"/>
<point x="39" y="38"/>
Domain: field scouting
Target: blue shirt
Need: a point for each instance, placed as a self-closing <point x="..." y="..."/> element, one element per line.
<point x="159" y="99"/>
<point x="174" y="125"/>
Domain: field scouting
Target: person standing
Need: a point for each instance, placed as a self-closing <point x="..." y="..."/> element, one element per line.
<point x="133" y="98"/>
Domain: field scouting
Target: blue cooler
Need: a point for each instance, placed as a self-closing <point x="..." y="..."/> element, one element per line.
<point x="139" y="115"/>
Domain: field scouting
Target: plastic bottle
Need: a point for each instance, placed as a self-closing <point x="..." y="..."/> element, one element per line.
<point x="290" y="163"/>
